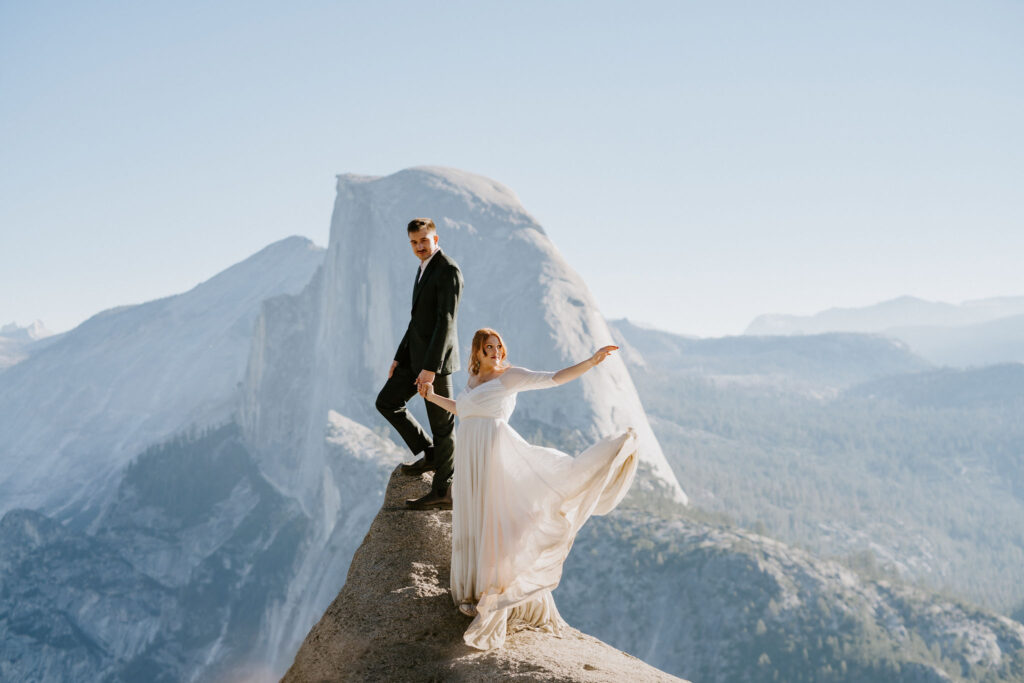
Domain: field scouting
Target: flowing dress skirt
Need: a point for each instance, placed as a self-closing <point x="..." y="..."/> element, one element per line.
<point x="516" y="511"/>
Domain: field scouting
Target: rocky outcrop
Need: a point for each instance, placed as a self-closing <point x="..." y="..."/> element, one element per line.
<point x="394" y="619"/>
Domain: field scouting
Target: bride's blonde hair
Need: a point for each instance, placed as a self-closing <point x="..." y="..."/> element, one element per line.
<point x="479" y="339"/>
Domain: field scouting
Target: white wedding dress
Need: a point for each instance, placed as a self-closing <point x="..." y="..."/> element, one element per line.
<point x="516" y="508"/>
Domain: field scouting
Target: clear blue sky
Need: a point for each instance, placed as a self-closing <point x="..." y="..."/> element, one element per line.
<point x="698" y="163"/>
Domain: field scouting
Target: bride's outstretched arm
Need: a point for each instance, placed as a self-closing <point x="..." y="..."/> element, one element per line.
<point x="572" y="372"/>
<point x="426" y="390"/>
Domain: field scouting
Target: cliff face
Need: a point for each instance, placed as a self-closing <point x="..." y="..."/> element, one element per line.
<point x="329" y="347"/>
<point x="193" y="544"/>
<point x="74" y="413"/>
<point x="394" y="619"/>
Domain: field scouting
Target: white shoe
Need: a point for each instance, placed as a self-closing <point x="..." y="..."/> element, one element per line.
<point x="468" y="608"/>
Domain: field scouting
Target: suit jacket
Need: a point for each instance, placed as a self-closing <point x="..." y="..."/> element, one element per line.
<point x="430" y="341"/>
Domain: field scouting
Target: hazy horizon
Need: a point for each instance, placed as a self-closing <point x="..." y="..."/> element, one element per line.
<point x="650" y="324"/>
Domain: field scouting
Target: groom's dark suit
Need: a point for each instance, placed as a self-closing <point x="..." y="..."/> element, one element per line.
<point x="430" y="343"/>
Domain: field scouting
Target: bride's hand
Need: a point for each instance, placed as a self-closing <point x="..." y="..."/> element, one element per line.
<point x="426" y="390"/>
<point x="602" y="353"/>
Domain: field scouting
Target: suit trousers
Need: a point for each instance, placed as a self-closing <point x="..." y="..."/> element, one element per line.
<point x="391" y="402"/>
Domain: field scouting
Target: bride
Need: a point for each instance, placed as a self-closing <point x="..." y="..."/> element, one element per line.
<point x="517" y="507"/>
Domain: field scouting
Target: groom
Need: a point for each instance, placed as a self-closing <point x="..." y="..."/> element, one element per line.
<point x="428" y="353"/>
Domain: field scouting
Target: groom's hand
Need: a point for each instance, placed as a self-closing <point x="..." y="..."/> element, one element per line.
<point x="425" y="377"/>
<point x="391" y="370"/>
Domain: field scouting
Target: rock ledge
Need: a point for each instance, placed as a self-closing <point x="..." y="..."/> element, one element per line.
<point x="394" y="618"/>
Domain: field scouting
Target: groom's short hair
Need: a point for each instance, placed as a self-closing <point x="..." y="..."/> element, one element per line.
<point x="417" y="224"/>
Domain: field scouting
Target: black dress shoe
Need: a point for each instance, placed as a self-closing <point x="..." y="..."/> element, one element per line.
<point x="419" y="467"/>
<point x="431" y="501"/>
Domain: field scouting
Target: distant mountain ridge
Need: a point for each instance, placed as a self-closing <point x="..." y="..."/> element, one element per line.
<point x="16" y="341"/>
<point x="31" y="332"/>
<point x="977" y="332"/>
<point x="903" y="311"/>
<point x="836" y="359"/>
<point x="986" y="343"/>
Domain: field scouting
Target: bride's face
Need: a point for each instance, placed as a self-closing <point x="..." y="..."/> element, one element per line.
<point x="491" y="354"/>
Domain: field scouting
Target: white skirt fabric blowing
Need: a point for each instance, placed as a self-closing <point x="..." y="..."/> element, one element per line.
<point x="517" y="508"/>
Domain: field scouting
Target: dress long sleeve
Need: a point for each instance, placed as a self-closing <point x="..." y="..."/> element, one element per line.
<point x="521" y="379"/>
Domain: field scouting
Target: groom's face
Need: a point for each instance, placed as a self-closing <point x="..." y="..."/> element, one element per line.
<point x="423" y="242"/>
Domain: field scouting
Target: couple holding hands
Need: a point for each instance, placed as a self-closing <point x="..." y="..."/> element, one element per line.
<point x="516" y="507"/>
